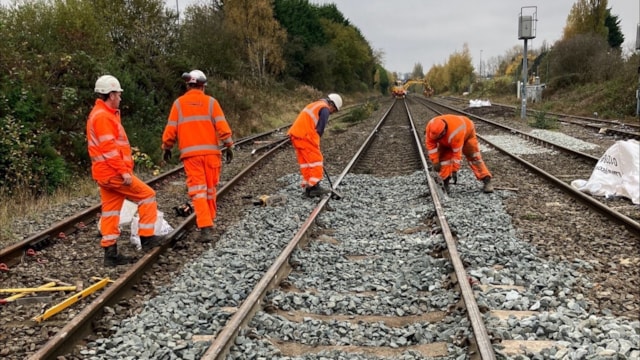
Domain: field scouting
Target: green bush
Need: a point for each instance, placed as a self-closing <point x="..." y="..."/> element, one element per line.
<point x="541" y="120"/>
<point x="360" y="113"/>
<point x="28" y="160"/>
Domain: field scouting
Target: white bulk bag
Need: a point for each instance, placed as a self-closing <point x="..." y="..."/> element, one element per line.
<point x="616" y="174"/>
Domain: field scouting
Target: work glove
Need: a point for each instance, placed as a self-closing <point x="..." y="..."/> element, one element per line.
<point x="436" y="167"/>
<point x="454" y="177"/>
<point x="167" y="155"/>
<point x="228" y="154"/>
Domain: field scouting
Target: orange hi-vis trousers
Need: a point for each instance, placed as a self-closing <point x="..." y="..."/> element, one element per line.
<point x="203" y="175"/>
<point x="112" y="194"/>
<point x="471" y="151"/>
<point x="310" y="160"/>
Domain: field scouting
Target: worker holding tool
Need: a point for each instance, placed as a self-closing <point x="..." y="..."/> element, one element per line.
<point x="198" y="124"/>
<point x="112" y="169"/>
<point x="449" y="136"/>
<point x="305" y="136"/>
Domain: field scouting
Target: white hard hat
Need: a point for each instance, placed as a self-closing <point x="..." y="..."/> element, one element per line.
<point x="336" y="100"/>
<point x="194" y="77"/>
<point x="106" y="84"/>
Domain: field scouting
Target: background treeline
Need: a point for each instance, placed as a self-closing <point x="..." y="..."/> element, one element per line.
<point x="52" y="51"/>
<point x="259" y="55"/>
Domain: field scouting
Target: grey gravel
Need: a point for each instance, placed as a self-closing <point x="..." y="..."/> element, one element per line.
<point x="223" y="277"/>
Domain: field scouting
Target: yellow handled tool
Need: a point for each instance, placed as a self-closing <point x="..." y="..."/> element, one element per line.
<point x="16" y="297"/>
<point x="38" y="289"/>
<point x="72" y="300"/>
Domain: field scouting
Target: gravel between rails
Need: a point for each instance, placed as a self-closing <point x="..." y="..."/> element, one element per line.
<point x="579" y="273"/>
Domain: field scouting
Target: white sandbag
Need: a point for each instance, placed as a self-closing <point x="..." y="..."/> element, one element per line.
<point x="479" y="103"/>
<point x="162" y="227"/>
<point x="127" y="212"/>
<point x="616" y="174"/>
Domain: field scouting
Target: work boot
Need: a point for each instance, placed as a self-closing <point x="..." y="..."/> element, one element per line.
<point x="112" y="258"/>
<point x="445" y="182"/>
<point x="150" y="242"/>
<point x="207" y="235"/>
<point x="488" y="186"/>
<point x="316" y="191"/>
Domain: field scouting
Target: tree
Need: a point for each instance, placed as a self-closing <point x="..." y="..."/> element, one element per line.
<point x="260" y="34"/>
<point x="418" y="72"/>
<point x="352" y="60"/>
<point x="210" y="46"/>
<point x="460" y="70"/>
<point x="304" y="32"/>
<point x="382" y="79"/>
<point x="587" y="16"/>
<point x="616" y="37"/>
<point x="438" y="78"/>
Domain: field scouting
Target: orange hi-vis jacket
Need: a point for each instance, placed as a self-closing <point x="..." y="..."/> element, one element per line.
<point x="459" y="128"/>
<point x="197" y="121"/>
<point x="304" y="126"/>
<point x="108" y="144"/>
<point x="460" y="138"/>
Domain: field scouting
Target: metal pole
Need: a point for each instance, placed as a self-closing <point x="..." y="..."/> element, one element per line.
<point x="480" y="64"/>
<point x="523" y="111"/>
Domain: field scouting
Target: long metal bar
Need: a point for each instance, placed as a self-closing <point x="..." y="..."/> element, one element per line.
<point x="224" y="340"/>
<point x="475" y="317"/>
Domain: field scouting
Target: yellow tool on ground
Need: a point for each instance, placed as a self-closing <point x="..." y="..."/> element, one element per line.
<point x="72" y="300"/>
<point x="38" y="289"/>
<point x="15" y="297"/>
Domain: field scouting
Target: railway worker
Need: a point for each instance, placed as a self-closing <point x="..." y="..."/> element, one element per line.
<point x="112" y="169"/>
<point x="447" y="137"/>
<point x="305" y="136"/>
<point x="198" y="124"/>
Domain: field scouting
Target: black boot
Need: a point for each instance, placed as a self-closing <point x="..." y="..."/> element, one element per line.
<point x="316" y="191"/>
<point x="445" y="184"/>
<point x="488" y="185"/>
<point x="112" y="258"/>
<point x="150" y="242"/>
<point x="207" y="235"/>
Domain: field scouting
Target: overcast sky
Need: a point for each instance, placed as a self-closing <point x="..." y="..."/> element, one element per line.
<point x="427" y="32"/>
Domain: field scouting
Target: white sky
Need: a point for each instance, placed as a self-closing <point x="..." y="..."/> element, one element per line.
<point x="427" y="32"/>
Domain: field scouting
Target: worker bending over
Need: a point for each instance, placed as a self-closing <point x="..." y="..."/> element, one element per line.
<point x="305" y="136"/>
<point x="449" y="136"/>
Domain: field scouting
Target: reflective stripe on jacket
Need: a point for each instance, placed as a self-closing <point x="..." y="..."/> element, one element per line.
<point x="197" y="122"/>
<point x="457" y="129"/>
<point x="307" y="121"/>
<point x="107" y="142"/>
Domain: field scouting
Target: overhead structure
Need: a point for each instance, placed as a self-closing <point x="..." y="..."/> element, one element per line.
<point x="526" y="31"/>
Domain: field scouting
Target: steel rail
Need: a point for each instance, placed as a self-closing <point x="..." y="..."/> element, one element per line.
<point x="12" y="254"/>
<point x="279" y="270"/>
<point x="72" y="332"/>
<point x="483" y="341"/>
<point x="521" y="133"/>
<point x="220" y="347"/>
<point x="632" y="225"/>
<point x="628" y="222"/>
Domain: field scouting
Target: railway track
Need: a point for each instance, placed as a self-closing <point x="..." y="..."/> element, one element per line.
<point x="619" y="129"/>
<point x="559" y="164"/>
<point x="224" y="302"/>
